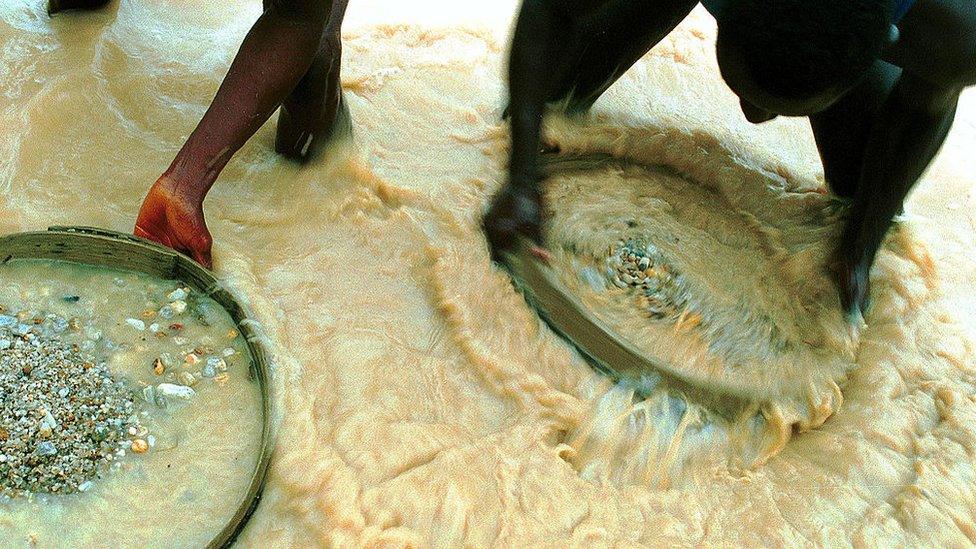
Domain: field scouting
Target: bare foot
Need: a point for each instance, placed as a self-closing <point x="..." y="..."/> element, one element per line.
<point x="175" y="221"/>
<point x="302" y="132"/>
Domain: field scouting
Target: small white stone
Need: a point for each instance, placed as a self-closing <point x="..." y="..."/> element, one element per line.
<point x="49" y="422"/>
<point x="178" y="294"/>
<point x="178" y="307"/>
<point x="229" y="351"/>
<point x="154" y="327"/>
<point x="171" y="390"/>
<point x="217" y="364"/>
<point x="136" y="323"/>
<point x="168" y="360"/>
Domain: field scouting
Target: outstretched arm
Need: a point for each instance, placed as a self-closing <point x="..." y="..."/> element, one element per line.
<point x="573" y="51"/>
<point x="516" y="209"/>
<point x="274" y="56"/>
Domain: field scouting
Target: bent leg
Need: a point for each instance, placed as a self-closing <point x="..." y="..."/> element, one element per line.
<point x="314" y="112"/>
<point x="908" y="135"/>
<point x="842" y="131"/>
<point x="937" y="43"/>
<point x="937" y="52"/>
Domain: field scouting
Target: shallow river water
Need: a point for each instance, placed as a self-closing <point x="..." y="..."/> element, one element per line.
<point x="420" y="402"/>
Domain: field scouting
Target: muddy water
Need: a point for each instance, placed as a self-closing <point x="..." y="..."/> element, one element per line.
<point x="421" y="403"/>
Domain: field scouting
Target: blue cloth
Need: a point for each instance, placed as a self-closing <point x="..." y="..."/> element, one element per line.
<point x="901" y="8"/>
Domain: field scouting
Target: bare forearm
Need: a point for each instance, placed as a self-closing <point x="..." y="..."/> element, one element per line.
<point x="274" y="56"/>
<point x="529" y="67"/>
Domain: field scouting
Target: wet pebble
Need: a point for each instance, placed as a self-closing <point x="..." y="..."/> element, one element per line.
<point x="139" y="446"/>
<point x="46" y="448"/>
<point x="168" y="360"/>
<point x="188" y="379"/>
<point x="136" y="323"/>
<point x="173" y="391"/>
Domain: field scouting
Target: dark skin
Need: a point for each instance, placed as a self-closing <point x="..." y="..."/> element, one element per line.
<point x="289" y="59"/>
<point x="55" y="6"/>
<point x="876" y="137"/>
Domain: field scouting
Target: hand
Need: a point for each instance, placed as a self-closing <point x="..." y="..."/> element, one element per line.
<point x="514" y="212"/>
<point x="853" y="283"/>
<point x="175" y="221"/>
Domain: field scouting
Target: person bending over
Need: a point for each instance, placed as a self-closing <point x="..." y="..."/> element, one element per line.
<point x="289" y="59"/>
<point x="878" y="79"/>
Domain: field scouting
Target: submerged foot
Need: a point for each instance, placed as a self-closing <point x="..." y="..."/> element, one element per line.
<point x="300" y="135"/>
